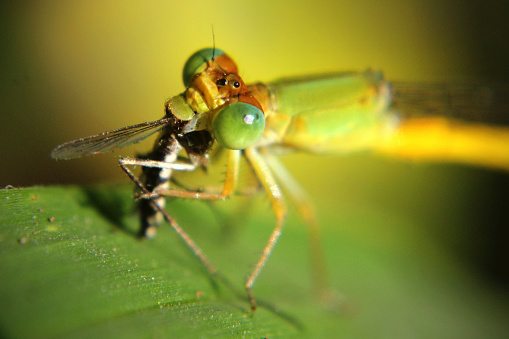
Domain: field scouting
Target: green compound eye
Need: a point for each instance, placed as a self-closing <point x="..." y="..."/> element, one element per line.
<point x="197" y="60"/>
<point x="238" y="125"/>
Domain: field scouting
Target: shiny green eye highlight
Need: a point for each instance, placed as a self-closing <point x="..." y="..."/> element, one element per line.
<point x="197" y="60"/>
<point x="238" y="126"/>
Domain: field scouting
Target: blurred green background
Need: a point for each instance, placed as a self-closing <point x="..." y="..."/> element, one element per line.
<point x="76" y="68"/>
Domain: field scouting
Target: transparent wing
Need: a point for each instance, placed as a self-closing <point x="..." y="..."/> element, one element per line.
<point x="487" y="104"/>
<point x="107" y="141"/>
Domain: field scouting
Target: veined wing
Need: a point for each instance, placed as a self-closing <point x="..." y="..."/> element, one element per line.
<point x="107" y="141"/>
<point x="488" y="104"/>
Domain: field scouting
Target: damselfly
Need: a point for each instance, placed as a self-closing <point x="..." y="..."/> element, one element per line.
<point x="329" y="113"/>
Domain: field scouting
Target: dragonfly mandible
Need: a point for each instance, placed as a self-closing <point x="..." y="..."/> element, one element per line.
<point x="330" y="113"/>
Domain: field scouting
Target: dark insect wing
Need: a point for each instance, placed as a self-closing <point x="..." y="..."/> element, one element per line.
<point x="107" y="141"/>
<point x="486" y="103"/>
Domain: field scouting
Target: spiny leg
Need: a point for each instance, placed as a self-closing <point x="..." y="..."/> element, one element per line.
<point x="306" y="210"/>
<point x="228" y="189"/>
<point x="176" y="166"/>
<point x="180" y="232"/>
<point x="267" y="181"/>
<point x="230" y="183"/>
<point x="263" y="173"/>
<point x="157" y="175"/>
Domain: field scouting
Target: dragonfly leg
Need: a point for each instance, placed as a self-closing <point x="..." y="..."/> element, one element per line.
<point x="300" y="198"/>
<point x="176" y="166"/>
<point x="267" y="180"/>
<point x="174" y="225"/>
<point x="157" y="173"/>
<point x="230" y="183"/>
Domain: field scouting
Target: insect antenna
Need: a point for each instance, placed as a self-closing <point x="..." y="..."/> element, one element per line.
<point x="214" y="50"/>
<point x="213" y="43"/>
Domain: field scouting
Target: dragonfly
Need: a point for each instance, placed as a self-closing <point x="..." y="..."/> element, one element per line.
<point x="336" y="113"/>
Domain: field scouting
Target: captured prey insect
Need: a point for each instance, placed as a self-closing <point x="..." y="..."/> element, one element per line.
<point x="331" y="113"/>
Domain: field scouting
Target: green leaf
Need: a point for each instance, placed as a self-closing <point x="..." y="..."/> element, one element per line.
<point x="71" y="266"/>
